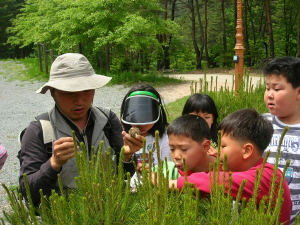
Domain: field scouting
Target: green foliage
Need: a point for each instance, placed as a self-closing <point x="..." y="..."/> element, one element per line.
<point x="152" y="77"/>
<point x="104" y="197"/>
<point x="246" y="97"/>
<point x="26" y="69"/>
<point x="223" y="60"/>
<point x="129" y="30"/>
<point x="121" y="29"/>
<point x="182" y="58"/>
<point x="285" y="30"/>
<point x="8" y="10"/>
<point x="226" y="99"/>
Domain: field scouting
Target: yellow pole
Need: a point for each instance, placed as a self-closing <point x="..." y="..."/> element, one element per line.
<point x="239" y="47"/>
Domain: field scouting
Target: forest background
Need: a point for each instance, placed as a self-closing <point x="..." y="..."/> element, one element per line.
<point x="154" y="35"/>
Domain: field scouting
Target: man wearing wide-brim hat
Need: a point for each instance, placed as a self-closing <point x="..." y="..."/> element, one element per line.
<point x="47" y="145"/>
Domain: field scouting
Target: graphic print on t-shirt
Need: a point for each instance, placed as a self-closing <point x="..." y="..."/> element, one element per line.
<point x="139" y="154"/>
<point x="289" y="150"/>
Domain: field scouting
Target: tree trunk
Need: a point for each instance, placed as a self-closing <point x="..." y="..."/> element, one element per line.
<point x="235" y="12"/>
<point x="270" y="28"/>
<point x="99" y="60"/>
<point x="224" y="41"/>
<point x="107" y="52"/>
<point x="80" y="46"/>
<point x="246" y="37"/>
<point x="202" y="38"/>
<point x="164" y="61"/>
<point x="160" y="59"/>
<point x="196" y="48"/>
<point x="167" y="53"/>
<point x="205" y="34"/>
<point x="286" y="30"/>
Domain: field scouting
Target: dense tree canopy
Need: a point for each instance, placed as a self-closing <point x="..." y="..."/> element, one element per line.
<point x="139" y="35"/>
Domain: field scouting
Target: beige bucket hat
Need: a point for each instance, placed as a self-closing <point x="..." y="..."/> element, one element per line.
<point x="73" y="72"/>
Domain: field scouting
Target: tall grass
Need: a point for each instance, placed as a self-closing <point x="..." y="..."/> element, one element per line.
<point x="26" y="69"/>
<point x="226" y="99"/>
<point x="152" y="78"/>
<point x="103" y="196"/>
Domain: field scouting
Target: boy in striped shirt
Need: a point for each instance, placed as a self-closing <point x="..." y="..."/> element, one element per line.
<point x="282" y="98"/>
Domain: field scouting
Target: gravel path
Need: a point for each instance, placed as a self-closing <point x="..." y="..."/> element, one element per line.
<point x="20" y="104"/>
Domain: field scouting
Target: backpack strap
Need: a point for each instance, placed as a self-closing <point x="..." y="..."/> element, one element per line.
<point x="47" y="131"/>
<point x="46" y="127"/>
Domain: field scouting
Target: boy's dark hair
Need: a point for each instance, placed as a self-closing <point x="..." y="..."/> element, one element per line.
<point x="248" y="125"/>
<point x="192" y="126"/>
<point x="286" y="66"/>
<point x="203" y="103"/>
<point x="162" y="122"/>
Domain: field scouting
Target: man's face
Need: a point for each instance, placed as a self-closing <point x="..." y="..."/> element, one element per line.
<point x="74" y="105"/>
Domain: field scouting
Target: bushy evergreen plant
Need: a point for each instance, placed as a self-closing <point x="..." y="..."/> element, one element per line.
<point x="228" y="100"/>
<point x="104" y="196"/>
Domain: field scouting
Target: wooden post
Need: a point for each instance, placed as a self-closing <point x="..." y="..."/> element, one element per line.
<point x="239" y="47"/>
<point x="40" y="57"/>
<point x="45" y="58"/>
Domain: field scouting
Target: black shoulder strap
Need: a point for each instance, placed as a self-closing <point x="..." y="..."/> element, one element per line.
<point x="106" y="113"/>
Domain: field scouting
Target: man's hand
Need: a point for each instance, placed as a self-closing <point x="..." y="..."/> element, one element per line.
<point x="131" y="145"/>
<point x="63" y="150"/>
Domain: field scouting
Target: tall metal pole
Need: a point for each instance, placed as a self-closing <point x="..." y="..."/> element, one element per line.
<point x="239" y="47"/>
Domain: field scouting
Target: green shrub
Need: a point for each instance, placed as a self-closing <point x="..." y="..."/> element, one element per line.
<point x="26" y="69"/>
<point x="104" y="197"/>
<point x="226" y="99"/>
<point x="153" y="78"/>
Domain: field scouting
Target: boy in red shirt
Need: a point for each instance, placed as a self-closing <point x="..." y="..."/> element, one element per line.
<point x="245" y="135"/>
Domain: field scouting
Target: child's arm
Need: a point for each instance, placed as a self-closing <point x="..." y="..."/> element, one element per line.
<point x="201" y="181"/>
<point x="154" y="181"/>
<point x="172" y="183"/>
